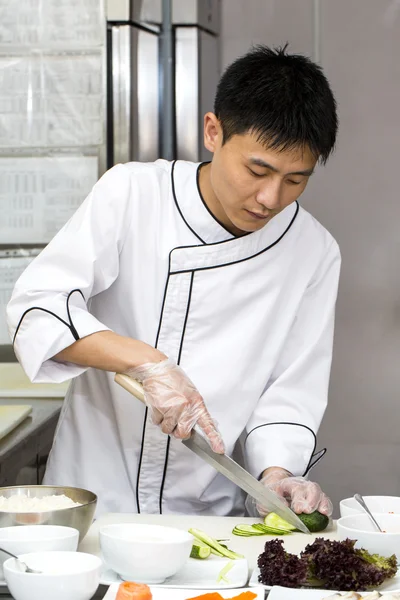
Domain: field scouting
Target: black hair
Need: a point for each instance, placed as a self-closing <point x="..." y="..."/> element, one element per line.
<point x="285" y="99"/>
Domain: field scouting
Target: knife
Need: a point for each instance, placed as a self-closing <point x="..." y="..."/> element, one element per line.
<point x="225" y="465"/>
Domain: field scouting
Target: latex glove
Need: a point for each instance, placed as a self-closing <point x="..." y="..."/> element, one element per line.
<point x="301" y="495"/>
<point x="174" y="402"/>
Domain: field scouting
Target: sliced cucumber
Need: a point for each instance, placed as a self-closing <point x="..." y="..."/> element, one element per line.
<point x="214" y="545"/>
<point x="200" y="550"/>
<point x="270" y="530"/>
<point x="274" y="520"/>
<point x="257" y="529"/>
<point x="246" y="530"/>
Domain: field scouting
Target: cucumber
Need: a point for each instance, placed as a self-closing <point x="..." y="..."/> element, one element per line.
<point x="270" y="530"/>
<point x="273" y="520"/>
<point x="200" y="550"/>
<point x="246" y="530"/>
<point x="216" y="547"/>
<point x="257" y="529"/>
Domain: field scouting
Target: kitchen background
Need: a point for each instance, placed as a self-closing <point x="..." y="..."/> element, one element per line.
<point x="58" y="133"/>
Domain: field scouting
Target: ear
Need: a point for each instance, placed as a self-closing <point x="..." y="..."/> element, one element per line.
<point x="212" y="132"/>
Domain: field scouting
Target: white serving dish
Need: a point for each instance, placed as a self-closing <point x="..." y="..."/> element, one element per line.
<point x="361" y="528"/>
<point x="144" y="553"/>
<point x="391" y="585"/>
<point x="183" y="594"/>
<point x="66" y="576"/>
<point x="36" y="538"/>
<point x="376" y="504"/>
<point x="197" y="574"/>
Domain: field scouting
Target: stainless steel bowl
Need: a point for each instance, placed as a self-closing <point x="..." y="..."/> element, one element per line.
<point x="80" y="517"/>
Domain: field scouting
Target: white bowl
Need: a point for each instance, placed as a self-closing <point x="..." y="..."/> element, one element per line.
<point x="376" y="504"/>
<point x="66" y="576"/>
<point x="144" y="553"/>
<point x="361" y="528"/>
<point x="36" y="538"/>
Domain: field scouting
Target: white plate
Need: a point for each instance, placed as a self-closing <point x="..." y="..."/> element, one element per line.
<point x="160" y="594"/>
<point x="197" y="574"/>
<point x="392" y="585"/>
<point x="281" y="593"/>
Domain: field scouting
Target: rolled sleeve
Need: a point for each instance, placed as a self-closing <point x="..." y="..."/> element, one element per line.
<point x="265" y="447"/>
<point x="282" y="430"/>
<point x="48" y="309"/>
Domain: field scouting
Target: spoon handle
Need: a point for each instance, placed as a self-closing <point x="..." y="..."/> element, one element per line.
<point x="360" y="501"/>
<point x="9" y="553"/>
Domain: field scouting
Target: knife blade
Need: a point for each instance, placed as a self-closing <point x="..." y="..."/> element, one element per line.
<point x="225" y="465"/>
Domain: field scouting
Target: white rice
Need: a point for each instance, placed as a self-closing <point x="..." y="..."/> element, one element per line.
<point x="23" y="503"/>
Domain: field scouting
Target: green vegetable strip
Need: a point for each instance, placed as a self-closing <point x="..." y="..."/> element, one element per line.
<point x="225" y="571"/>
<point x="214" y="545"/>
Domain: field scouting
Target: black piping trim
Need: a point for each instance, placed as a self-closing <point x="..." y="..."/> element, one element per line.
<point x="204" y="202"/>
<point x="186" y="317"/>
<point x="164" y="473"/>
<point x="140" y="459"/>
<point x="43" y="310"/>
<point x="318" y="456"/>
<point x="234" y="262"/>
<point x="70" y="325"/>
<point x="178" y="207"/>
<point x="289" y="423"/>
<point x="178" y="361"/>
<point x="146" y="411"/>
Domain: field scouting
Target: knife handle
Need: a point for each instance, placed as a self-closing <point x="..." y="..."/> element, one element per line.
<point x="130" y="385"/>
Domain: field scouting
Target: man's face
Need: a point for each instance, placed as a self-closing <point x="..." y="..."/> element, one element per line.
<point x="251" y="183"/>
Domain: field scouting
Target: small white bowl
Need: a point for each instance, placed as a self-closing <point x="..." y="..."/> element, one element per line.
<point x="361" y="528"/>
<point x="144" y="553"/>
<point x="36" y="538"/>
<point x="376" y="504"/>
<point x="65" y="576"/>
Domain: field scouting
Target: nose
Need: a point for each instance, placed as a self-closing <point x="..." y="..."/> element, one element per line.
<point x="269" y="194"/>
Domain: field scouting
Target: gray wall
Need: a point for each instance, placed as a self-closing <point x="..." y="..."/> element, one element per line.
<point x="356" y="197"/>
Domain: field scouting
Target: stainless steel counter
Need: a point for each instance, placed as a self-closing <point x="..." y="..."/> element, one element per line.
<point x="30" y="442"/>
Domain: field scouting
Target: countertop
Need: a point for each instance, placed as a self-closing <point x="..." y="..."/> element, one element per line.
<point x="219" y="527"/>
<point x="29" y="439"/>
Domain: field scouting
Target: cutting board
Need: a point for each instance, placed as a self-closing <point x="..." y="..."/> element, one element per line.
<point x="15" y="384"/>
<point x="11" y="416"/>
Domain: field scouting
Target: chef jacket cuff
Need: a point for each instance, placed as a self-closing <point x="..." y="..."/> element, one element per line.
<point x="286" y="445"/>
<point x="41" y="336"/>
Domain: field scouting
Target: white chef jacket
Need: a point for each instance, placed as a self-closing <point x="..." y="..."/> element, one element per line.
<point x="250" y="320"/>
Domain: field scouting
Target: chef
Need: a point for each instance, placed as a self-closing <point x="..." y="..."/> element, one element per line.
<point x="210" y="285"/>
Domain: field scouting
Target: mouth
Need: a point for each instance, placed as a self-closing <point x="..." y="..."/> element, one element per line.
<point x="257" y="215"/>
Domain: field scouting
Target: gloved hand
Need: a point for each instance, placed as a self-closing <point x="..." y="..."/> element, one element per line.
<point x="301" y="495"/>
<point x="174" y="402"/>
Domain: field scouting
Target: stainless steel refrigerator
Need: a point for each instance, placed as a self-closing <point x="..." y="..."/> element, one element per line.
<point x="136" y="110"/>
<point x="82" y="87"/>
